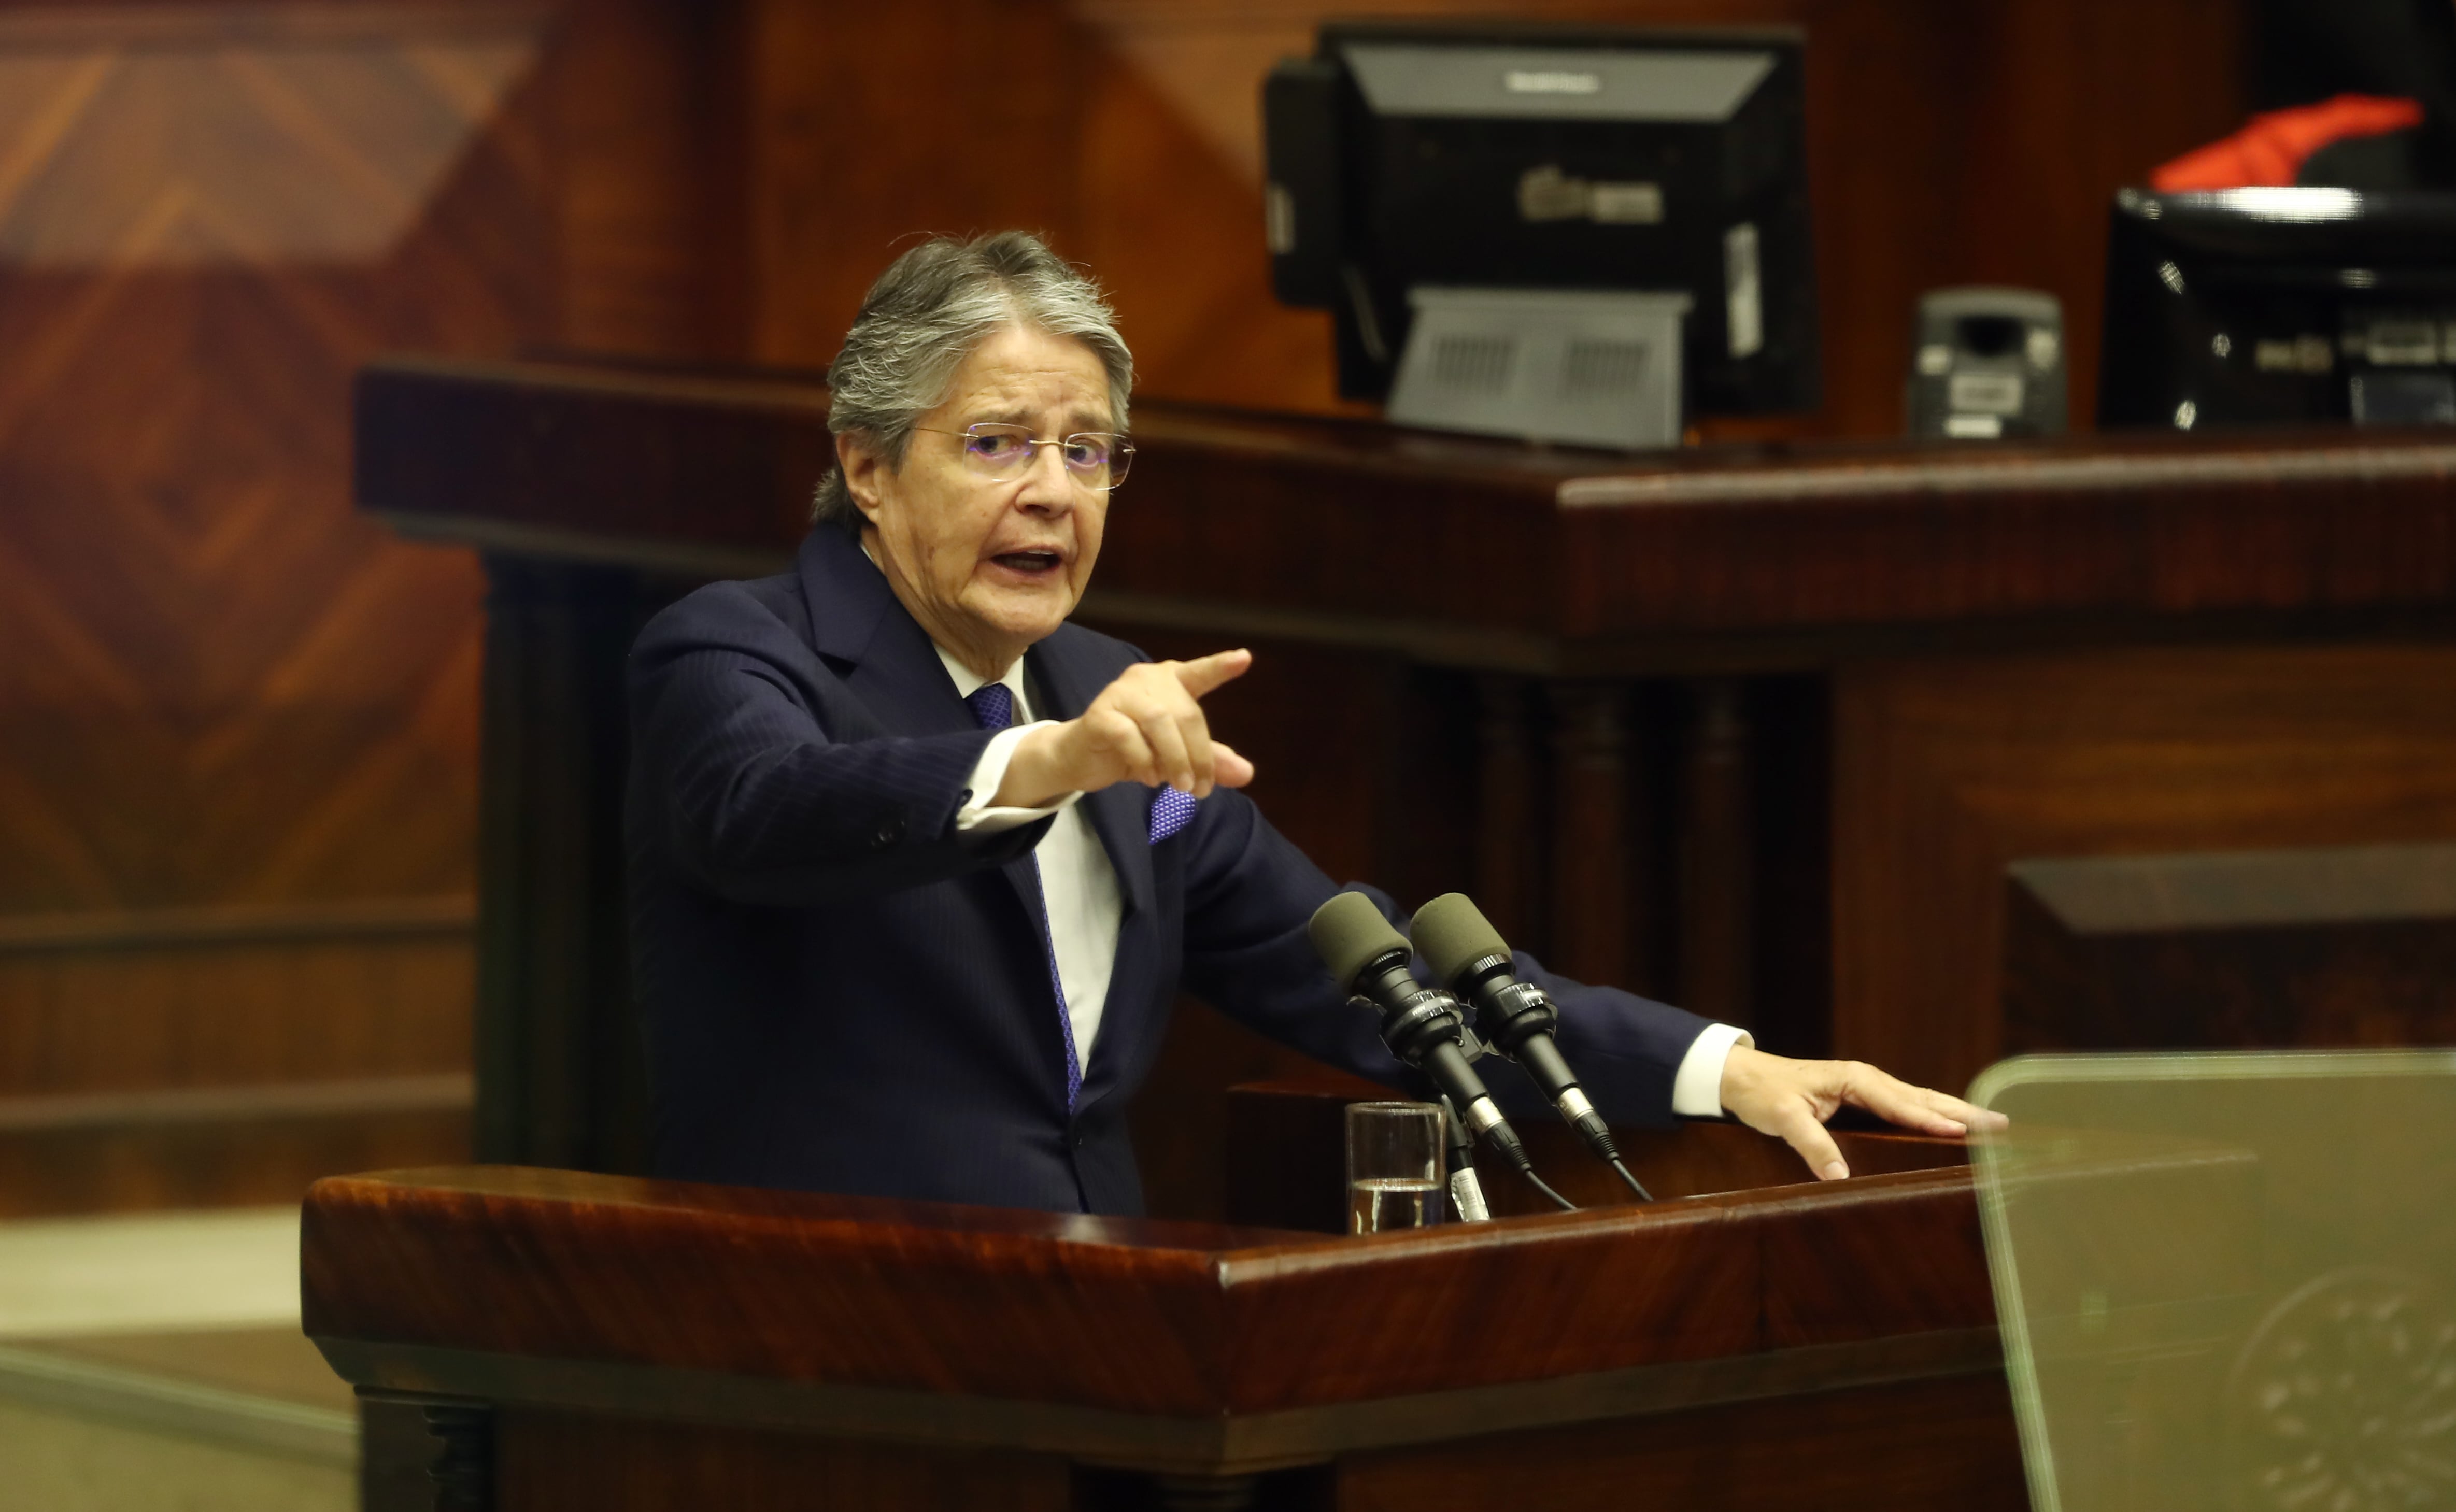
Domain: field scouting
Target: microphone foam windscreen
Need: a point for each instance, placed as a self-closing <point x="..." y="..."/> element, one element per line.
<point x="1453" y="934"/>
<point x="1349" y="933"/>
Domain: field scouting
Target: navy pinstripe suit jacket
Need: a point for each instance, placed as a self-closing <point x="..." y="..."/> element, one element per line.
<point x="844" y="995"/>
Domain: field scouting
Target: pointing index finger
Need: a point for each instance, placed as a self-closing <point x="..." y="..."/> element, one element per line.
<point x="1205" y="673"/>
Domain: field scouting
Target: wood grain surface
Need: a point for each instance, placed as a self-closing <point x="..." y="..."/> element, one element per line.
<point x="225" y="692"/>
<point x="1178" y="1320"/>
<point x="1561" y="555"/>
<point x="2315" y="947"/>
<point x="1929" y="1443"/>
<point x="1945" y="770"/>
<point x="220" y="1146"/>
<point x="1288" y="1138"/>
<point x="546" y="1461"/>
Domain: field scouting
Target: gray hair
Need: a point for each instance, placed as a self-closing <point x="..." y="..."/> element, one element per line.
<point x="931" y="309"/>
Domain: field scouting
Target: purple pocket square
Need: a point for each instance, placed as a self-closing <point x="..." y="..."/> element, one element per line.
<point x="1169" y="812"/>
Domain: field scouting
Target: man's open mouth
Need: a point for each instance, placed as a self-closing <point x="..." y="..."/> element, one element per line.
<point x="1033" y="562"/>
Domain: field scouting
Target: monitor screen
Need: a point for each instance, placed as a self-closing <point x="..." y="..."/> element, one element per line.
<point x="1505" y="155"/>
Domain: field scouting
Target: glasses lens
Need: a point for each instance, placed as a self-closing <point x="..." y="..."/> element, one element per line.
<point x="1098" y="458"/>
<point x="996" y="448"/>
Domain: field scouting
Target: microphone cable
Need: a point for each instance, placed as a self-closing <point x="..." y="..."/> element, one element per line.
<point x="1634" y="1185"/>
<point x="1563" y="1203"/>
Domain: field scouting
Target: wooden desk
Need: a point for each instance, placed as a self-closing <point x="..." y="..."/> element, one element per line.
<point x="610" y="1342"/>
<point x="1759" y="729"/>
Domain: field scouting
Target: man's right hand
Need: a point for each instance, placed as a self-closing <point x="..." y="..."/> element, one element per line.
<point x="1147" y="727"/>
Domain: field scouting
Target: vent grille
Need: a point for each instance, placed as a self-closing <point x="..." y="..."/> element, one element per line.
<point x="1475" y="363"/>
<point x="1605" y="367"/>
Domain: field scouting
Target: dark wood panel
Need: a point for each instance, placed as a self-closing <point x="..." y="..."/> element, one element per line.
<point x="2317" y="947"/>
<point x="237" y="690"/>
<point x="548" y="1462"/>
<point x="220" y="1147"/>
<point x="611" y="451"/>
<point x="235" y="695"/>
<point x="647" y="179"/>
<point x="1947" y="1444"/>
<point x="870" y="125"/>
<point x="1288" y="1139"/>
<point x="1948" y="769"/>
<point x="1188" y="1143"/>
<point x="206" y="1002"/>
<point x="1563" y="555"/>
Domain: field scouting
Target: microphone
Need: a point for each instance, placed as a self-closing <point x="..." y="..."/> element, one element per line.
<point x="1513" y="1016"/>
<point x="1421" y="1024"/>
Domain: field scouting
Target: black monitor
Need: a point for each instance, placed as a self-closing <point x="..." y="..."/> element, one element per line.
<point x="2247" y="307"/>
<point x="1517" y="155"/>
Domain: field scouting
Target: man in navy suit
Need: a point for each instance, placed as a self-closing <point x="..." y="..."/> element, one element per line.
<point x="919" y="868"/>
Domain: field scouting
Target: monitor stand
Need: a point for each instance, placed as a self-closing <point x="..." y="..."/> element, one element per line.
<point x="1588" y="367"/>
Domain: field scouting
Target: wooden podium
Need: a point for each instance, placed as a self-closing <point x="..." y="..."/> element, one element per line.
<point x="589" y="1341"/>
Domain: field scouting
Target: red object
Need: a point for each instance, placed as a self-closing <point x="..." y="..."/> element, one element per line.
<point x="2272" y="149"/>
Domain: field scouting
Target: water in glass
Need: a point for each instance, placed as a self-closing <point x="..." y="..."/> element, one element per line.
<point x="1379" y="1204"/>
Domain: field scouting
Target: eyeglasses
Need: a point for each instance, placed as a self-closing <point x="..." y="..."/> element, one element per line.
<point x="1094" y="458"/>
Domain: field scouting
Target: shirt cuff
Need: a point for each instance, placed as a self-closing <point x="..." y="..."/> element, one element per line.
<point x="978" y="816"/>
<point x="1697" y="1089"/>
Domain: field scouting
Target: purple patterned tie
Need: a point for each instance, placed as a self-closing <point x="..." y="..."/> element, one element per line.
<point x="993" y="705"/>
<point x="1171" y="811"/>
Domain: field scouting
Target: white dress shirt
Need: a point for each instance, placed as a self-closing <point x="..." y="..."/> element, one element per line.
<point x="1078" y="884"/>
<point x="1079" y="889"/>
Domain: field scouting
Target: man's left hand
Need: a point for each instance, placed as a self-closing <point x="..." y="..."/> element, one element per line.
<point x="1792" y="1099"/>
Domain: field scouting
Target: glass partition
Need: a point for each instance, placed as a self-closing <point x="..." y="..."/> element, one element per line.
<point x="2227" y="1281"/>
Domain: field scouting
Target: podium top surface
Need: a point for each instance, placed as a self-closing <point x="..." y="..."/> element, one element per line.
<point x="1235" y="1344"/>
<point x="1462" y="549"/>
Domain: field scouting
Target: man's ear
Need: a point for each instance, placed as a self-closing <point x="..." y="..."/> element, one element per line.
<point x="864" y="469"/>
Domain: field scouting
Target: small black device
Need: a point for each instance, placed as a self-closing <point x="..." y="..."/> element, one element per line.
<point x="1987" y="363"/>
<point x="2276" y="306"/>
<point x="1489" y="156"/>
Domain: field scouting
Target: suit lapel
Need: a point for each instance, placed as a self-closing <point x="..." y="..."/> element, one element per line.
<point x="882" y="652"/>
<point x="888" y="662"/>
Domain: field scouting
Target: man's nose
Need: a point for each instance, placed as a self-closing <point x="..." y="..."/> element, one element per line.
<point x="1045" y="482"/>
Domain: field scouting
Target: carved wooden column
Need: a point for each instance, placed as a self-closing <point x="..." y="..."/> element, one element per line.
<point x="464" y="1471"/>
<point x="451" y="1464"/>
<point x="1508" y="840"/>
<point x="1592" y="939"/>
<point x="1716" y="846"/>
<point x="560" y="1079"/>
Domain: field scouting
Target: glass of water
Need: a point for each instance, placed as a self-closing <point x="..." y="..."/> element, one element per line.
<point x="1394" y="1166"/>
